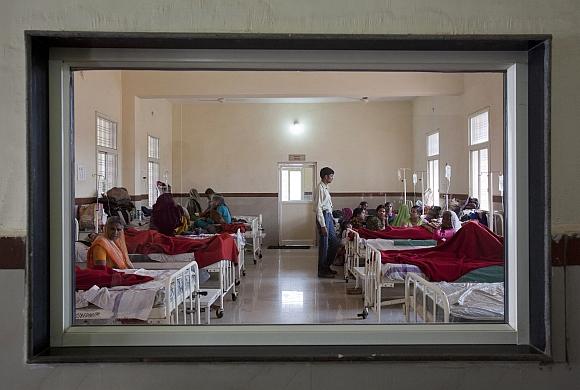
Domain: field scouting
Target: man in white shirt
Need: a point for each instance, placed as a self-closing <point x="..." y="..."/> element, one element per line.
<point x="328" y="241"/>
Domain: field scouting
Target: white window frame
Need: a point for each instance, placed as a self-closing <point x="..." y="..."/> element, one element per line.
<point x="514" y="332"/>
<point x="152" y="160"/>
<point x="434" y="159"/>
<point x="104" y="180"/>
<point x="478" y="148"/>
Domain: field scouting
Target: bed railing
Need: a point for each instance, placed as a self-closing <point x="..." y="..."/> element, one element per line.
<point x="373" y="280"/>
<point x="182" y="295"/>
<point x="256" y="226"/>
<point x="432" y="297"/>
<point x="352" y="255"/>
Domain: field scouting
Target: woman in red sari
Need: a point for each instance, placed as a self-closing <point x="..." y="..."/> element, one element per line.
<point x="109" y="249"/>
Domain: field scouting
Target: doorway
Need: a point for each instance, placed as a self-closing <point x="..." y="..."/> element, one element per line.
<point x="296" y="183"/>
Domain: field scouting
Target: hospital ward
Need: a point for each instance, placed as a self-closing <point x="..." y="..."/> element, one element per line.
<point x="212" y="197"/>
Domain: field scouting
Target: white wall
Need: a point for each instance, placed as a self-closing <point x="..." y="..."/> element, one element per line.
<point x="95" y="92"/>
<point x="449" y="116"/>
<point x="363" y="143"/>
<point x="152" y="117"/>
<point x="557" y="17"/>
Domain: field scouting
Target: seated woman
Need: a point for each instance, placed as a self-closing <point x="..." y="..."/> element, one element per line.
<point x="167" y="215"/>
<point x="415" y="216"/>
<point x="380" y="220"/>
<point x="390" y="213"/>
<point x="194" y="203"/>
<point x="358" y="218"/>
<point x="403" y="218"/>
<point x="431" y="221"/>
<point x="450" y="224"/>
<point x="433" y="215"/>
<point x="218" y="213"/>
<point x="109" y="249"/>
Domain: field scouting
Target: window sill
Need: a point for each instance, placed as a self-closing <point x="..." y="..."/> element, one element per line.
<point x="377" y="353"/>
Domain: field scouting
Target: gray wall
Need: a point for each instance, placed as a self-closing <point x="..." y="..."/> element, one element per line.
<point x="557" y="17"/>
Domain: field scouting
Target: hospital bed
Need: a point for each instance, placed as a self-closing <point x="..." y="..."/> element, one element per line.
<point x="172" y="297"/>
<point x="377" y="275"/>
<point x="224" y="270"/>
<point x="453" y="302"/>
<point x="256" y="234"/>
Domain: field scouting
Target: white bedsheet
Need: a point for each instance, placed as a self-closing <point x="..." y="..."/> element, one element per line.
<point x="475" y="301"/>
<point x="126" y="302"/>
<point x="394" y="271"/>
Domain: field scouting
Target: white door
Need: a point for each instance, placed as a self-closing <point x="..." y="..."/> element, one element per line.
<point x="296" y="184"/>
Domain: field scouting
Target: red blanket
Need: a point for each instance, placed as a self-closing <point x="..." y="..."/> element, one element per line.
<point x="207" y="251"/>
<point x="106" y="277"/>
<point x="472" y="247"/>
<point x="397" y="233"/>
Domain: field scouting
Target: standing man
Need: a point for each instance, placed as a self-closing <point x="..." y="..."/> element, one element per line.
<point x="328" y="242"/>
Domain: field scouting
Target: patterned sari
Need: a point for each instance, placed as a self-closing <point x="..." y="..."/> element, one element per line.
<point x="117" y="255"/>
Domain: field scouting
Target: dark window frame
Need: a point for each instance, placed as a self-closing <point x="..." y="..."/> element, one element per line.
<point x="38" y="44"/>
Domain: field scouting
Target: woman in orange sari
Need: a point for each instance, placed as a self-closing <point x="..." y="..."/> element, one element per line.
<point x="109" y="248"/>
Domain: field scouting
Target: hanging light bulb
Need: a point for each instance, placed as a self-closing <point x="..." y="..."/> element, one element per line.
<point x="414" y="178"/>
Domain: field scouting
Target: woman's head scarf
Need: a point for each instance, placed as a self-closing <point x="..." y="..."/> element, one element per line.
<point x="455" y="221"/>
<point x="194" y="202"/>
<point x="346" y="214"/>
<point x="403" y="217"/>
<point x="166" y="214"/>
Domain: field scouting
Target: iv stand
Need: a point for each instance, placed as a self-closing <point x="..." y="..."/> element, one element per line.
<point x="98" y="179"/>
<point x="422" y="191"/>
<point x="404" y="180"/>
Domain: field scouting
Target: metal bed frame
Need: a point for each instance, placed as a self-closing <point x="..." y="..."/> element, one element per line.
<point x="181" y="301"/>
<point x="374" y="282"/>
<point x="431" y="297"/>
<point x="256" y="234"/>
<point x="352" y="259"/>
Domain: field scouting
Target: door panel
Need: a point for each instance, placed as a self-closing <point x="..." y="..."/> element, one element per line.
<point x="295" y="208"/>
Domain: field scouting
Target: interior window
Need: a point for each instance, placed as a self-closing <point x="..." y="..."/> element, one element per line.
<point x="433" y="169"/>
<point x="479" y="158"/>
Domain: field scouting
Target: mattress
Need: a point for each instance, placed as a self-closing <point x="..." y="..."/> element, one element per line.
<point x="395" y="272"/>
<point x="128" y="302"/>
<point x="475" y="301"/>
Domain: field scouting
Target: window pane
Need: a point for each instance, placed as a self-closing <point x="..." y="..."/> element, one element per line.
<point x="153" y="147"/>
<point x="433" y="180"/>
<point x="295" y="185"/>
<point x="436" y="182"/>
<point x="106" y="133"/>
<point x="153" y="177"/>
<point x="284" y="187"/>
<point x="475" y="174"/>
<point x="479" y="128"/>
<point x="483" y="180"/>
<point x="433" y="145"/>
<point x="111" y="173"/>
<point x="101" y="171"/>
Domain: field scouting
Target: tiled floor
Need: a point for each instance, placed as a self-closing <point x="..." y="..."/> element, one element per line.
<point x="283" y="289"/>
